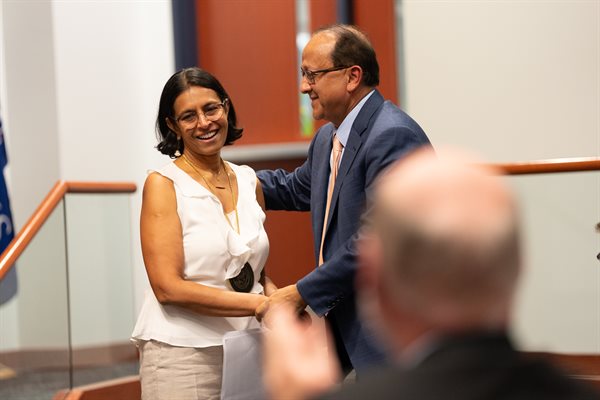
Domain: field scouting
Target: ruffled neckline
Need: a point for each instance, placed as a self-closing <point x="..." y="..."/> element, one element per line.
<point x="239" y="246"/>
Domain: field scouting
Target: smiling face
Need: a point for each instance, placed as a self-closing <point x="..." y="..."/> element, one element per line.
<point x="329" y="94"/>
<point x="204" y="138"/>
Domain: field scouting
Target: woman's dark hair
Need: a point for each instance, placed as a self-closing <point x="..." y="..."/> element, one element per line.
<point x="177" y="84"/>
<point x="352" y="47"/>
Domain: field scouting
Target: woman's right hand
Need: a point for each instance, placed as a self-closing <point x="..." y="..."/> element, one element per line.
<point x="262" y="309"/>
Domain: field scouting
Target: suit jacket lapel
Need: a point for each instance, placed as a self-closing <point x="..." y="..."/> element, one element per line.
<point x="355" y="141"/>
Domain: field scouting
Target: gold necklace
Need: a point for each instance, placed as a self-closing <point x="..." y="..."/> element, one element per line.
<point x="209" y="187"/>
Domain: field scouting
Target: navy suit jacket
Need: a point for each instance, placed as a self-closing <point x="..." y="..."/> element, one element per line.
<point x="381" y="134"/>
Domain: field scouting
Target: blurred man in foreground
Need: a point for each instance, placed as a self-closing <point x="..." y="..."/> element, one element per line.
<point x="439" y="260"/>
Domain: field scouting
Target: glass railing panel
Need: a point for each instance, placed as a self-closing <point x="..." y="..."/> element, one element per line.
<point x="558" y="303"/>
<point x="34" y="325"/>
<point x="101" y="286"/>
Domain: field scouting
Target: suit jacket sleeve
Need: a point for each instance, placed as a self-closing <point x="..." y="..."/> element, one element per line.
<point x="326" y="286"/>
<point x="285" y="190"/>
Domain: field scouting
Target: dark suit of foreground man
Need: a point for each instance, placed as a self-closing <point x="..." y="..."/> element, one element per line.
<point x="340" y="73"/>
<point x="439" y="263"/>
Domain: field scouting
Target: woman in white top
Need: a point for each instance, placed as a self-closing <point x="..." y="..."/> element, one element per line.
<point x="203" y="243"/>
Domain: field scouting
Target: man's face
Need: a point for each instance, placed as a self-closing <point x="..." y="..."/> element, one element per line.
<point x="328" y="93"/>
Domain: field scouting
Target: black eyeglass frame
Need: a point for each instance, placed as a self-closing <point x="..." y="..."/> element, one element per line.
<point x="311" y="75"/>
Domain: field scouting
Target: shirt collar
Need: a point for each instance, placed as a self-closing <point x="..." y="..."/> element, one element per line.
<point x="343" y="131"/>
<point x="414" y="354"/>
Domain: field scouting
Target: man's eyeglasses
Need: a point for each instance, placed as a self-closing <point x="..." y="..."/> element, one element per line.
<point x="311" y="75"/>
<point x="211" y="113"/>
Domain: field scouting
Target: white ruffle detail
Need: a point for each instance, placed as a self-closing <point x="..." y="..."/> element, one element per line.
<point x="240" y="249"/>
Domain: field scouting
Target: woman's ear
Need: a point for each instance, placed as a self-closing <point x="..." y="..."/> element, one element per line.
<point x="172" y="126"/>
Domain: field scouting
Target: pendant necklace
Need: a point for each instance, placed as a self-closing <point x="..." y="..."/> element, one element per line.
<point x="244" y="281"/>
<point x="210" y="188"/>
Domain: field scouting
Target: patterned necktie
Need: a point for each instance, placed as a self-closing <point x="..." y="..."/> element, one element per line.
<point x="336" y="156"/>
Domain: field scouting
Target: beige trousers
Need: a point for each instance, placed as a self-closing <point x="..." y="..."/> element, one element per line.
<point x="180" y="373"/>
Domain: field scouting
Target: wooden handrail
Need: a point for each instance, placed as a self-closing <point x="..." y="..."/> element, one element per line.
<point x="41" y="214"/>
<point x="18" y="244"/>
<point x="550" y="166"/>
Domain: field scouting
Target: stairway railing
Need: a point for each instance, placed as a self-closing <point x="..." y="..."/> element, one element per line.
<point x="41" y="214"/>
<point x="74" y="307"/>
<point x="550" y="166"/>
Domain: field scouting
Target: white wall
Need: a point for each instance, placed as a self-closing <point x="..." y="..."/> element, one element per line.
<point x="518" y="81"/>
<point x="30" y="123"/>
<point x="112" y="60"/>
<point x="81" y="82"/>
<point x="30" y="111"/>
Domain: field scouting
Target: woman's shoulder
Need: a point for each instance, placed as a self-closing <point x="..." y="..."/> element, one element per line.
<point x="167" y="174"/>
<point x="158" y="192"/>
<point x="183" y="184"/>
<point x="168" y="170"/>
<point x="242" y="171"/>
<point x="162" y="179"/>
<point x="155" y="181"/>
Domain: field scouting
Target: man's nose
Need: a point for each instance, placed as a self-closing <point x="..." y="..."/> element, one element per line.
<point x="304" y="86"/>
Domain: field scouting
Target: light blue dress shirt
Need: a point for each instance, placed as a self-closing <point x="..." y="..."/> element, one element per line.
<point x="343" y="131"/>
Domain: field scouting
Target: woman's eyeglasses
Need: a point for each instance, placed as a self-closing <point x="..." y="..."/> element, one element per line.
<point x="211" y="113"/>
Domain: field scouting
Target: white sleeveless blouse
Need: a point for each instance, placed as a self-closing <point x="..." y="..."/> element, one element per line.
<point x="213" y="252"/>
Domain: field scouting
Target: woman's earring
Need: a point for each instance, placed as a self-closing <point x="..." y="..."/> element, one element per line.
<point x="177" y="152"/>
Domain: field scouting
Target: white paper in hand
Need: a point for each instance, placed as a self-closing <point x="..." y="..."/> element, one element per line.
<point x="242" y="366"/>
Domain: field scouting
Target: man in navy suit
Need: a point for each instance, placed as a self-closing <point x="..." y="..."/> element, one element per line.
<point x="339" y="74"/>
<point x="439" y="259"/>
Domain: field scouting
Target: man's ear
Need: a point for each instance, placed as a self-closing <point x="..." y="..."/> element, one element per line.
<point x="369" y="263"/>
<point x="354" y="76"/>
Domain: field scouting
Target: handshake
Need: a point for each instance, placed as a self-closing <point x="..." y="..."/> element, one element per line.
<point x="274" y="297"/>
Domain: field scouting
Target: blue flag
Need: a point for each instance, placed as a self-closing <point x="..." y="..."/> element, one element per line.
<point x="8" y="285"/>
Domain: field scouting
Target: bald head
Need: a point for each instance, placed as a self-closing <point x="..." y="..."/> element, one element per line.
<point x="448" y="239"/>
